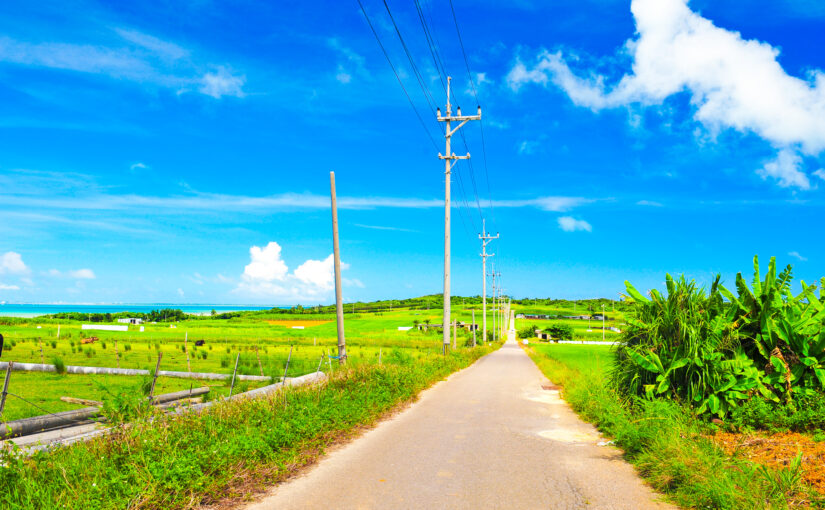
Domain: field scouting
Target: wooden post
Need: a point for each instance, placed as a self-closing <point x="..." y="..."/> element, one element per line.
<point x="6" y="387"/>
<point x="329" y="361"/>
<point x="155" y="378"/>
<point x="286" y="368"/>
<point x="232" y="386"/>
<point x="379" y="356"/>
<point x="41" y="350"/>
<point x="336" y="251"/>
<point x="260" y="367"/>
<point x="58" y="331"/>
<point x="117" y="356"/>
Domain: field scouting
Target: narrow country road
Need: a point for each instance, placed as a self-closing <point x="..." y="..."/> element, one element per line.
<point x="487" y="437"/>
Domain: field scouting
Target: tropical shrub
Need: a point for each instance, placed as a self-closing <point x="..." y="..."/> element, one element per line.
<point x="560" y="331"/>
<point x="693" y="346"/>
<point x="528" y="332"/>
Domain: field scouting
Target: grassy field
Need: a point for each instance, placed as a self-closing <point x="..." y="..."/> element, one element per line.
<point x="224" y="454"/>
<point x="582" y="329"/>
<point x="263" y="340"/>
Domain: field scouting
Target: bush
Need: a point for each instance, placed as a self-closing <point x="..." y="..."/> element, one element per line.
<point x="59" y="365"/>
<point x="528" y="332"/>
<point x="53" y="343"/>
<point x="89" y="352"/>
<point x="560" y="332"/>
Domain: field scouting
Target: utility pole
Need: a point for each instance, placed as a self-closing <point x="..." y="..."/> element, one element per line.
<point x="339" y="301"/>
<point x="485" y="240"/>
<point x="450" y="159"/>
<point x="500" y="308"/>
<point x="602" y="322"/>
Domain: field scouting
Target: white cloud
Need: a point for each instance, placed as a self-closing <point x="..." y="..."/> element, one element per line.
<point x="796" y="255"/>
<point x="222" y="83"/>
<point x="82" y="274"/>
<point x="820" y="173"/>
<point x="147" y="59"/>
<point x="180" y="292"/>
<point x="138" y="166"/>
<point x="155" y="45"/>
<point x="12" y="263"/>
<point x="266" y="264"/>
<point x="8" y="287"/>
<point x="570" y="224"/>
<point x="734" y="83"/>
<point x="649" y="203"/>
<point x="268" y="276"/>
<point x="318" y="273"/>
<point x="786" y="170"/>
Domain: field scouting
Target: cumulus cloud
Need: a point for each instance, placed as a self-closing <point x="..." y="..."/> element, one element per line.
<point x="12" y="263"/>
<point x="796" y="255"/>
<point x="267" y="275"/>
<point x="734" y="83"/>
<point x="266" y="264"/>
<point x="570" y="224"/>
<point x="820" y="173"/>
<point x="222" y="83"/>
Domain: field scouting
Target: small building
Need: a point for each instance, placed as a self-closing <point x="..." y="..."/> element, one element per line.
<point x="131" y="320"/>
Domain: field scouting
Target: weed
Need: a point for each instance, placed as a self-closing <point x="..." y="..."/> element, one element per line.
<point x="783" y="483"/>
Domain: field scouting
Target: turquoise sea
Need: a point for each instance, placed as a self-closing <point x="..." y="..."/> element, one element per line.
<point x="35" y="310"/>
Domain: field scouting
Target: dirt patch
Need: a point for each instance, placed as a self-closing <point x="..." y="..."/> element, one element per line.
<point x="777" y="451"/>
<point x="289" y="324"/>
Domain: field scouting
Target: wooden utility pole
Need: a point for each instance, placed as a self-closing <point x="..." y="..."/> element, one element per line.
<point x="450" y="159"/>
<point x="485" y="240"/>
<point x="339" y="302"/>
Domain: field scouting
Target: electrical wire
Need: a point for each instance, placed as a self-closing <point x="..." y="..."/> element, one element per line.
<point x="389" y="61"/>
<point x="481" y="123"/>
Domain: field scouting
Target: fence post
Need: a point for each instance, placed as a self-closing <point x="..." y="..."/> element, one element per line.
<point x="286" y="369"/>
<point x="379" y="356"/>
<point x="117" y="356"/>
<point x="5" y="387"/>
<point x="40" y="340"/>
<point x="155" y="378"/>
<point x="232" y="386"/>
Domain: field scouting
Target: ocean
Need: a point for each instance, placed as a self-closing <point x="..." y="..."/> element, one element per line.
<point x="35" y="310"/>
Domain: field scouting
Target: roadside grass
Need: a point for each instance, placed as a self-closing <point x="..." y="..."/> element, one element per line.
<point x="225" y="453"/>
<point x="670" y="448"/>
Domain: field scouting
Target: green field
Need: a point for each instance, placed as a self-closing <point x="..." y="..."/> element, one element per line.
<point x="582" y="329"/>
<point x="262" y="340"/>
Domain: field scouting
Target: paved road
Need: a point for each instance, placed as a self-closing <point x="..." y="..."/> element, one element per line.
<point x="487" y="437"/>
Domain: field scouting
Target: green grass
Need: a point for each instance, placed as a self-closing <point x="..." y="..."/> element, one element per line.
<point x="228" y="451"/>
<point x="44" y="390"/>
<point x="668" y="445"/>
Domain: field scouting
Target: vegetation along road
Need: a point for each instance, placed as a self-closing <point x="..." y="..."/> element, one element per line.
<point x="489" y="436"/>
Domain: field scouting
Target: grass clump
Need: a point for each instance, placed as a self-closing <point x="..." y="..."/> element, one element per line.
<point x="59" y="365"/>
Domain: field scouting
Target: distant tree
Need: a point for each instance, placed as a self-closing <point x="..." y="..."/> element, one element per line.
<point x="214" y="312"/>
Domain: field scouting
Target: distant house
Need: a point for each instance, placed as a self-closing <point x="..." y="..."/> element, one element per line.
<point x="130" y="320"/>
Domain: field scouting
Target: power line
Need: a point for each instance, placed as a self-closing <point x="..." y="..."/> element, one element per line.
<point x="424" y="89"/>
<point x="389" y="61"/>
<point x="475" y="95"/>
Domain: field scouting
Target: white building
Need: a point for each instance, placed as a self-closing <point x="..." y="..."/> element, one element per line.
<point x="130" y="320"/>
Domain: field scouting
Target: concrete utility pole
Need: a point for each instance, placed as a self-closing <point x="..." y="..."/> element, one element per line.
<point x="449" y="160"/>
<point x="339" y="302"/>
<point x="485" y="240"/>
<point x="602" y="322"/>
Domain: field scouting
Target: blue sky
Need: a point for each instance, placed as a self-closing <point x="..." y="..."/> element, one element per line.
<point x="157" y="153"/>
